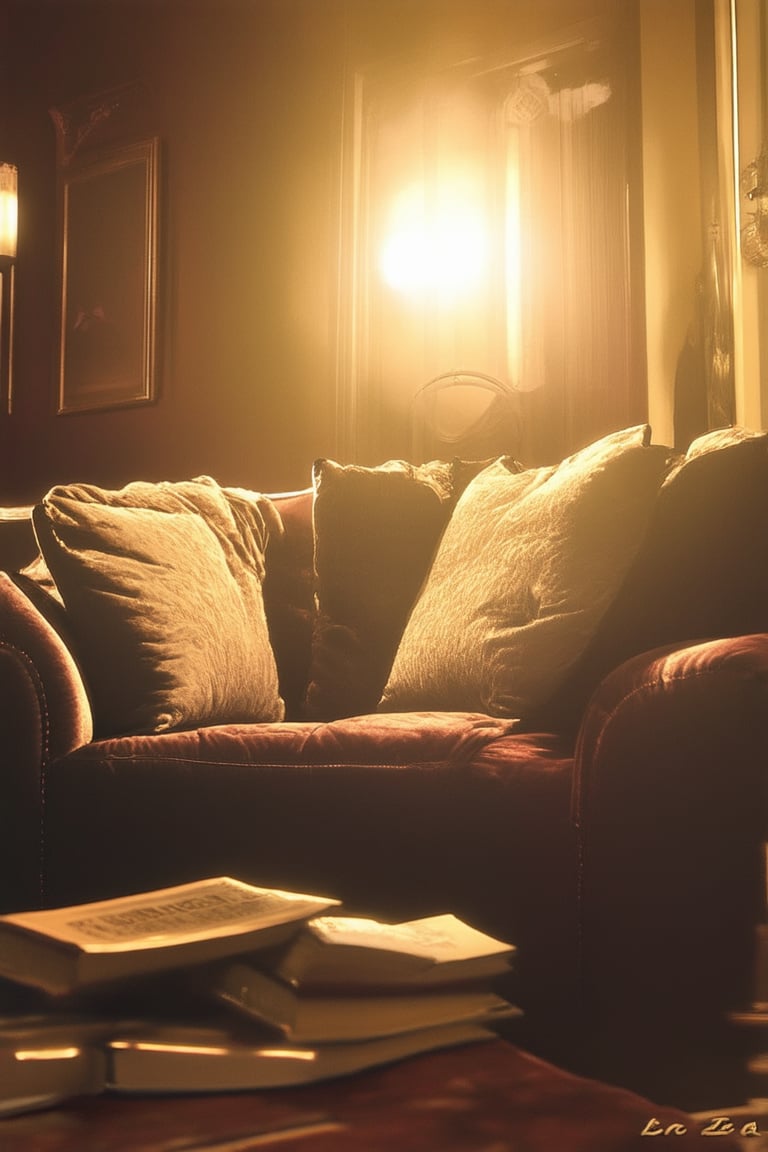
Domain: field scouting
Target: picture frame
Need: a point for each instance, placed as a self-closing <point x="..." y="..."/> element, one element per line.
<point x="109" y="275"/>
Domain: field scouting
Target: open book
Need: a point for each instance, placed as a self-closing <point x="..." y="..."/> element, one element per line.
<point x="317" y="1019"/>
<point x="62" y="950"/>
<point x="351" y="952"/>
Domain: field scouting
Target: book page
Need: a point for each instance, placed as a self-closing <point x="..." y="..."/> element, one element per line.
<point x="439" y="938"/>
<point x="207" y="908"/>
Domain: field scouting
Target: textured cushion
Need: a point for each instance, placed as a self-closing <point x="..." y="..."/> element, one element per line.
<point x="701" y="570"/>
<point x="162" y="585"/>
<point x="376" y="531"/>
<point x="526" y="568"/>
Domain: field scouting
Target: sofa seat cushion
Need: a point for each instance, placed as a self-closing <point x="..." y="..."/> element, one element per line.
<point x="398" y="816"/>
<point x="408" y="738"/>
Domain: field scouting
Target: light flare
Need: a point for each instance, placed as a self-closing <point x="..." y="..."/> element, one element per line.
<point x="437" y="243"/>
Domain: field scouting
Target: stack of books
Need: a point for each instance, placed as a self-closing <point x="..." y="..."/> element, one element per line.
<point x="221" y="986"/>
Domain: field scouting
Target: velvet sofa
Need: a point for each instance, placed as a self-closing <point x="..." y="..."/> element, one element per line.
<point x="610" y="823"/>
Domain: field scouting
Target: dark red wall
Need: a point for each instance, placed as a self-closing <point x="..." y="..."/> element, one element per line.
<point x="246" y="98"/>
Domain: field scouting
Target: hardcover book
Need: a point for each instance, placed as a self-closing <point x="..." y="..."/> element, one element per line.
<point x="189" y="1059"/>
<point x="44" y="1060"/>
<point x="311" y="1019"/>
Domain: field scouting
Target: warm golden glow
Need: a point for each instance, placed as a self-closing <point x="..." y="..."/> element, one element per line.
<point x="437" y="241"/>
<point x="513" y="264"/>
<point x="25" y="1054"/>
<point x="305" y="1054"/>
<point x="8" y="210"/>
<point x="175" y="1049"/>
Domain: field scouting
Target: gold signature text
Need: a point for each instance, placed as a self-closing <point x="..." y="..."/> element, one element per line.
<point x="714" y="1126"/>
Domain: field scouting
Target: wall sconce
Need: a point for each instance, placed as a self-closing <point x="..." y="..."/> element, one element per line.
<point x="8" y="237"/>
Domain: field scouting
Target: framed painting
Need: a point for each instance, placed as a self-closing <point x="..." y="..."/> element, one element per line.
<point x="109" y="259"/>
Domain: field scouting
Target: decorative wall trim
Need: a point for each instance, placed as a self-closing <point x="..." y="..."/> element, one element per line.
<point x="109" y="262"/>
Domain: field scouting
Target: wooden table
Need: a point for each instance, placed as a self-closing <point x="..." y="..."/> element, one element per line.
<point x="486" y="1097"/>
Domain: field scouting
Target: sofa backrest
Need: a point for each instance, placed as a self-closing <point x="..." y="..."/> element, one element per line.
<point x="289" y="595"/>
<point x="701" y="573"/>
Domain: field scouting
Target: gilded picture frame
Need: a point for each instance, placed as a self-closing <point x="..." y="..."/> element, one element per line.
<point x="109" y="273"/>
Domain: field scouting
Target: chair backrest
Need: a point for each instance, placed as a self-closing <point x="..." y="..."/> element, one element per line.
<point x="463" y="413"/>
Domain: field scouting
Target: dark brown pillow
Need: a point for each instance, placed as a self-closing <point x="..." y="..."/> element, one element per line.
<point x="163" y="589"/>
<point x="376" y="531"/>
<point x="701" y="571"/>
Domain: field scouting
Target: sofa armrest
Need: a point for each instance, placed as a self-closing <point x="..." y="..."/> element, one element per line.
<point x="670" y="805"/>
<point x="675" y="683"/>
<point x="45" y="714"/>
<point x="671" y="703"/>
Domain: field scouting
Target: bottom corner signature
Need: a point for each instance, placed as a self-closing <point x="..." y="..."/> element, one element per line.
<point x="711" y="1126"/>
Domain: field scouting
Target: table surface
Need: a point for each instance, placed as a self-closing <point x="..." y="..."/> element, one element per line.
<point x="484" y="1097"/>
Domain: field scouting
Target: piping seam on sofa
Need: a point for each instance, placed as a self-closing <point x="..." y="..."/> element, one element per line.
<point x="26" y="662"/>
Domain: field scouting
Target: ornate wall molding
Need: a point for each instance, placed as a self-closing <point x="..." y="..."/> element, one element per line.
<point x="90" y="119"/>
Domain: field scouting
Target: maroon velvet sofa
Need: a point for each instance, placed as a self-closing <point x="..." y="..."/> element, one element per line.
<point x="615" y="837"/>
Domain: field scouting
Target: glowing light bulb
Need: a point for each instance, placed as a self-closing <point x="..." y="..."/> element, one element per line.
<point x="436" y="244"/>
<point x="8" y="209"/>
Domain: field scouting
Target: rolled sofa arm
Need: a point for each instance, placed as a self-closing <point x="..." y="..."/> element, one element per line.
<point x="44" y="714"/>
<point x="670" y="802"/>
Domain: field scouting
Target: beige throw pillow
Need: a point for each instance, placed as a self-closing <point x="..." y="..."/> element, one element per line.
<point x="526" y="568"/>
<point x="162" y="585"/>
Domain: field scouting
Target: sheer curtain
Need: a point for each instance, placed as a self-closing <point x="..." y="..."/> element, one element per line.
<point x="493" y="238"/>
